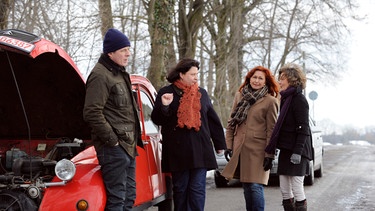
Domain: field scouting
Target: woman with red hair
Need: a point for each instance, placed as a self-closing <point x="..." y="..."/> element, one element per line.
<point x="249" y="129"/>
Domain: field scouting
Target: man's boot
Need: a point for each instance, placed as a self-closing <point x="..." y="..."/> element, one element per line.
<point x="288" y="204"/>
<point x="301" y="205"/>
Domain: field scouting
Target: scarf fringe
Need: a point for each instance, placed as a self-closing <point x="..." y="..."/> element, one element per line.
<point x="188" y="112"/>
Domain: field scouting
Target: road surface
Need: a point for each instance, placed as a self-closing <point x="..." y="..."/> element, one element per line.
<point x="348" y="183"/>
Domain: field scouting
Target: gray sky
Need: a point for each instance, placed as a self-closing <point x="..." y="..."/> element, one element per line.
<point x="351" y="101"/>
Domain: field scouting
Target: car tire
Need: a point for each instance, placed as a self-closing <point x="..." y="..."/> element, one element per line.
<point x="13" y="200"/>
<point x="274" y="180"/>
<point x="309" y="180"/>
<point x="220" y="181"/>
<point x="319" y="172"/>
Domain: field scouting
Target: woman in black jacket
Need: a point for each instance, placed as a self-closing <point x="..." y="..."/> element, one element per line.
<point x="292" y="136"/>
<point x="191" y="130"/>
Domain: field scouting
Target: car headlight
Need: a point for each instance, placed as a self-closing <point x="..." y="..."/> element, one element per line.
<point x="65" y="169"/>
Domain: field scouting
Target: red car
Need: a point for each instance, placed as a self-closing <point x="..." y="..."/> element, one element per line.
<point x="46" y="158"/>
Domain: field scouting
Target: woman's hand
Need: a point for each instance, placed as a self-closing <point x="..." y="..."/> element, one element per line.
<point x="295" y="159"/>
<point x="220" y="152"/>
<point x="167" y="98"/>
<point x="267" y="163"/>
<point x="228" y="154"/>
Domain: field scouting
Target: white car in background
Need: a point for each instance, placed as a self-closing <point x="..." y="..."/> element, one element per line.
<point x="316" y="165"/>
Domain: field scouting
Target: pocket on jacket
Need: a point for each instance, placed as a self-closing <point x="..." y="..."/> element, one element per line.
<point x="259" y="137"/>
<point x="126" y="133"/>
<point x="119" y="97"/>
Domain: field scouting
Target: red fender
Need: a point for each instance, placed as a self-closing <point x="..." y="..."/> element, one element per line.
<point x="87" y="184"/>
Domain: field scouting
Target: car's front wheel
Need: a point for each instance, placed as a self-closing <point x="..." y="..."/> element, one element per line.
<point x="309" y="180"/>
<point x="14" y="200"/>
<point x="319" y="172"/>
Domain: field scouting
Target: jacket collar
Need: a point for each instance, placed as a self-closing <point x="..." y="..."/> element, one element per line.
<point x="110" y="65"/>
<point x="177" y="90"/>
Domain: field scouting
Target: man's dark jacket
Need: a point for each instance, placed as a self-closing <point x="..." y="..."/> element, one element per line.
<point x="110" y="108"/>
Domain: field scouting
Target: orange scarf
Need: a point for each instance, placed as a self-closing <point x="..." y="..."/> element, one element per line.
<point x="188" y="112"/>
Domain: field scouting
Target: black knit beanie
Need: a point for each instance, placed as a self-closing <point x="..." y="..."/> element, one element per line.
<point x="114" y="40"/>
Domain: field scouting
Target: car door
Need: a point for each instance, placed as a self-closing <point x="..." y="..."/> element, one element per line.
<point x="150" y="182"/>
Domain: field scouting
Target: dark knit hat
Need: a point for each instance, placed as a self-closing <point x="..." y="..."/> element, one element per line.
<point x="114" y="40"/>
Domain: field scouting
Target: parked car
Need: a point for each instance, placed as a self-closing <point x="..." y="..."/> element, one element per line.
<point x="316" y="165"/>
<point x="47" y="161"/>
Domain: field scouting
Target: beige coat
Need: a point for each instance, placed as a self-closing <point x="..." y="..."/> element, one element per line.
<point x="249" y="140"/>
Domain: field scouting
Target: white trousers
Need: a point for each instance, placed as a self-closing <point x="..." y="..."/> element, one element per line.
<point x="292" y="186"/>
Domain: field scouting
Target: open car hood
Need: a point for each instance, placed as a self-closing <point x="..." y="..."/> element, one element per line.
<point x="42" y="77"/>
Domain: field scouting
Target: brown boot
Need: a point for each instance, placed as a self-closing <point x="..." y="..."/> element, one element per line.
<point x="288" y="204"/>
<point x="301" y="205"/>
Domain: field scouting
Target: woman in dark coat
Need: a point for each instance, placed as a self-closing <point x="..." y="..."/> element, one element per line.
<point x="293" y="137"/>
<point x="191" y="130"/>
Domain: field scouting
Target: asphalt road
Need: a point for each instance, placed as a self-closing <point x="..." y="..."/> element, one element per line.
<point x="348" y="183"/>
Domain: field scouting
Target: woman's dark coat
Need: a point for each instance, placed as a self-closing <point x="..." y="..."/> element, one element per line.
<point x="295" y="137"/>
<point x="184" y="148"/>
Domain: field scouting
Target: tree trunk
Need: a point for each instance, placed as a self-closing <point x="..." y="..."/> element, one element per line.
<point x="4" y="11"/>
<point x="220" y="61"/>
<point x="189" y="23"/>
<point x="160" y="25"/>
<point x="105" y="13"/>
<point x="235" y="44"/>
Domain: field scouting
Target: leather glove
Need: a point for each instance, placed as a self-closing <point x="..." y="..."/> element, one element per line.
<point x="295" y="159"/>
<point x="228" y="154"/>
<point x="267" y="163"/>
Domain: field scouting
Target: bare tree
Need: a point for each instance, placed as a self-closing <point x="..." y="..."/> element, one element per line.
<point x="135" y="25"/>
<point x="159" y="27"/>
<point x="224" y="16"/>
<point x="190" y="19"/>
<point x="106" y="17"/>
<point x="229" y="36"/>
<point x="235" y="43"/>
<point x="4" y="12"/>
<point x="217" y="22"/>
<point x="310" y="33"/>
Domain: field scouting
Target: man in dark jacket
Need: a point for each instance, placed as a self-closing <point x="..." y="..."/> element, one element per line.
<point x="112" y="113"/>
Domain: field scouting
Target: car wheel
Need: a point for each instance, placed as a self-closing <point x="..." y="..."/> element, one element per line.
<point x="220" y="181"/>
<point x="309" y="180"/>
<point x="12" y="200"/>
<point x="273" y="180"/>
<point x="319" y="172"/>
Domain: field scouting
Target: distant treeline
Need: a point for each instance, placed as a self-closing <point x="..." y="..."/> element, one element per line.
<point x="348" y="136"/>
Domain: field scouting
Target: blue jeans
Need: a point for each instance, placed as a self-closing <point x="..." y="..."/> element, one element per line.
<point x="189" y="189"/>
<point x="254" y="196"/>
<point x="118" y="172"/>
